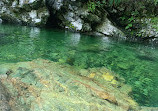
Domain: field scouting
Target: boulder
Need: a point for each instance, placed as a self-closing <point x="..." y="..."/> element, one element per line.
<point x="26" y="12"/>
<point x="108" y="29"/>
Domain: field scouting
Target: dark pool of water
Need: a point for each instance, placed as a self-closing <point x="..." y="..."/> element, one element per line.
<point x="137" y="63"/>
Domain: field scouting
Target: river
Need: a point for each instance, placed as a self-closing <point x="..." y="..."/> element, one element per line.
<point x="137" y="63"/>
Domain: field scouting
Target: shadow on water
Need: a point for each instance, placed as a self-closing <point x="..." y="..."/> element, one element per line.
<point x="147" y="58"/>
<point x="3" y="38"/>
<point x="3" y="35"/>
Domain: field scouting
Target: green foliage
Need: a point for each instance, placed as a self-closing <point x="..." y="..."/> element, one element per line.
<point x="130" y="13"/>
<point x="156" y="2"/>
<point x="154" y="21"/>
<point x="70" y="26"/>
<point x="129" y="20"/>
<point x="130" y="23"/>
<point x="129" y="26"/>
<point x="93" y="4"/>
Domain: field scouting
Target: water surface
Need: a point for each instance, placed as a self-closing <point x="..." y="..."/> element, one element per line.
<point x="137" y="63"/>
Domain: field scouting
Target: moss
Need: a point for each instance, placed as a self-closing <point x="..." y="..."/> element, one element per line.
<point x="154" y="21"/>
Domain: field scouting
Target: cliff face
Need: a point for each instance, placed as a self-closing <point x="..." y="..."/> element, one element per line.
<point x="26" y="12"/>
<point x="75" y="15"/>
<point x="68" y="14"/>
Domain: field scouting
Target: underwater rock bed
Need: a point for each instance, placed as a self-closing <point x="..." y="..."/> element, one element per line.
<point x="42" y="85"/>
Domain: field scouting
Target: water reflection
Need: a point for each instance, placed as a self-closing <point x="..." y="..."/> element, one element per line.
<point x="35" y="32"/>
<point x="75" y="38"/>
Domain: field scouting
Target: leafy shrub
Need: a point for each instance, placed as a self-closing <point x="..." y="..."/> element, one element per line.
<point x="93" y="4"/>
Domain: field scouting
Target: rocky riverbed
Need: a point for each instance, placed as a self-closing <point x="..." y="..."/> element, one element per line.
<point x="42" y="85"/>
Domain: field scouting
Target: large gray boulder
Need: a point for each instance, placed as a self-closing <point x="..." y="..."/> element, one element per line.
<point x="27" y="12"/>
<point x="108" y="29"/>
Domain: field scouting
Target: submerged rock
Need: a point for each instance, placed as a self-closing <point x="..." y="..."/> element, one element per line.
<point x="42" y="85"/>
<point x="149" y="109"/>
<point x="27" y="12"/>
<point x="4" y="99"/>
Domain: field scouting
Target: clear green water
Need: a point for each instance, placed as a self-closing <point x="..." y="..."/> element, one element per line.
<point x="137" y="63"/>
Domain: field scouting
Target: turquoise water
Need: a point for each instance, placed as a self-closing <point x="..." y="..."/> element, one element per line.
<point x="137" y="63"/>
